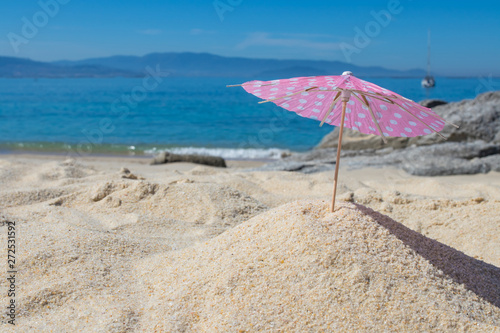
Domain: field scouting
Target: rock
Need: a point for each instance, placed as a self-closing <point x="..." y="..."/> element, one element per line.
<point x="354" y="140"/>
<point x="304" y="167"/>
<point x="430" y="103"/>
<point x="445" y="159"/>
<point x="478" y="119"/>
<point x="125" y="173"/>
<point x="445" y="166"/>
<point x="166" y="157"/>
<point x="464" y="150"/>
<point x="448" y="158"/>
<point x="493" y="162"/>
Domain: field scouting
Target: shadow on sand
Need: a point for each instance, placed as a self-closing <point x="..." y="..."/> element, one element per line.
<point x="477" y="276"/>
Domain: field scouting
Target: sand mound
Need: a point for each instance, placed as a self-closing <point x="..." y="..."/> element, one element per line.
<point x="69" y="276"/>
<point x="300" y="268"/>
<point x="183" y="200"/>
<point x="25" y="184"/>
<point x="57" y="173"/>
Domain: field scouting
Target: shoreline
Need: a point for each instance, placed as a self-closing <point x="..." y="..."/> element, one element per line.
<point x="137" y="160"/>
<point x="239" y="154"/>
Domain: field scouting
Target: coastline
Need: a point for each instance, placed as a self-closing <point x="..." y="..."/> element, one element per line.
<point x="61" y="149"/>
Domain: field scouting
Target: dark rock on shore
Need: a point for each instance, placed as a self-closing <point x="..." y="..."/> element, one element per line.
<point x="472" y="148"/>
<point x="431" y="103"/>
<point x="449" y="158"/>
<point x="166" y="157"/>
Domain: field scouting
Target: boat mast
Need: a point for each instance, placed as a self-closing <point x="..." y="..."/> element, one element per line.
<point x="429" y="52"/>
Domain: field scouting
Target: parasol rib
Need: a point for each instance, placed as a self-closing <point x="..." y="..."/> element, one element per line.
<point x="374" y="94"/>
<point x="296" y="93"/>
<point x="389" y="100"/>
<point x="330" y="109"/>
<point x="359" y="99"/>
<point x="420" y="120"/>
<point x="241" y="85"/>
<point x="452" y="124"/>
<point x="385" y="99"/>
<point x="374" y="119"/>
<point x="424" y="109"/>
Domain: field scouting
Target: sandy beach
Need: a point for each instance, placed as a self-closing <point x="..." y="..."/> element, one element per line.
<point x="113" y="244"/>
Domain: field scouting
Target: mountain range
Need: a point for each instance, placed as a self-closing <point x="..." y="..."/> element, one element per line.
<point x="189" y="65"/>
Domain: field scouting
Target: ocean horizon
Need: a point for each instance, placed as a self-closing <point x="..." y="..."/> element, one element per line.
<point x="128" y="116"/>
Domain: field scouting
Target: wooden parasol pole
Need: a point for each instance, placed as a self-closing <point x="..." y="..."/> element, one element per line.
<point x="345" y="98"/>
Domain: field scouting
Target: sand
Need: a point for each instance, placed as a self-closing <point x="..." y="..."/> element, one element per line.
<point x="301" y="268"/>
<point x="191" y="248"/>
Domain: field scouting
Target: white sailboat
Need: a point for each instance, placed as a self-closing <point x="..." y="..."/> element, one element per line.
<point x="428" y="81"/>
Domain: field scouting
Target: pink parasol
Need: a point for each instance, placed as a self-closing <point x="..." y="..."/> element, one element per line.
<point x="347" y="101"/>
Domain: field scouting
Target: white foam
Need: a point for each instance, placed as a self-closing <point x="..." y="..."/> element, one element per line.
<point x="226" y="153"/>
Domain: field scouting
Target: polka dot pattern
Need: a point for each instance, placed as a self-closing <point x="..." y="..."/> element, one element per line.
<point x="312" y="97"/>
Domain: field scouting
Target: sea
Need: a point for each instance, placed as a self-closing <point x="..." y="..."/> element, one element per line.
<point x="126" y="116"/>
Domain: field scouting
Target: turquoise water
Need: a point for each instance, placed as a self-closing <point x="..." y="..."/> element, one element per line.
<point x="121" y="116"/>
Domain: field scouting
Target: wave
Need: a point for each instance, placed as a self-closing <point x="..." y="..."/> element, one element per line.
<point x="141" y="150"/>
<point x="226" y="153"/>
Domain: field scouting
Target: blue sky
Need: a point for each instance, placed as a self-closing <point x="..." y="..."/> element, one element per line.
<point x="465" y="34"/>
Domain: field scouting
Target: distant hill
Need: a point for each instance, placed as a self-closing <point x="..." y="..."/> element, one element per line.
<point x="22" y="68"/>
<point x="206" y="64"/>
<point x="190" y="65"/>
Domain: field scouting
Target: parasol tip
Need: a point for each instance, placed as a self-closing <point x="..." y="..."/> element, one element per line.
<point x="347" y="73"/>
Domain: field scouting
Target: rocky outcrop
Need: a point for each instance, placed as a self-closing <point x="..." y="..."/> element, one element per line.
<point x="449" y="158"/>
<point x="354" y="140"/>
<point x="478" y="119"/>
<point x="166" y="157"/>
<point x="472" y="148"/>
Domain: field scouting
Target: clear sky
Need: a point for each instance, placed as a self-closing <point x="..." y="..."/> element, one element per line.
<point x="465" y="34"/>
